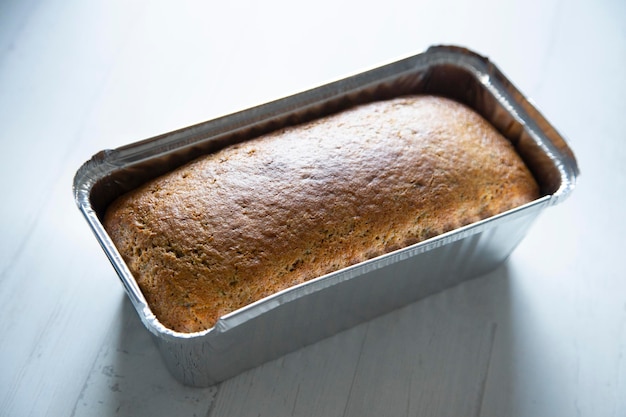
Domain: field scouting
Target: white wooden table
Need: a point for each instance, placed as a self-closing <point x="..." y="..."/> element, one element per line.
<point x="544" y="335"/>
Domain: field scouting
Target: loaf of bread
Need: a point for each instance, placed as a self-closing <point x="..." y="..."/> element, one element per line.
<point x="258" y="217"/>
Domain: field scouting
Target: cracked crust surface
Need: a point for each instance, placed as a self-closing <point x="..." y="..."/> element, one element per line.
<point x="233" y="227"/>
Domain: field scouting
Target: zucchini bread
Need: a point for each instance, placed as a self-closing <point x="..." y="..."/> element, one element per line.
<point x="258" y="217"/>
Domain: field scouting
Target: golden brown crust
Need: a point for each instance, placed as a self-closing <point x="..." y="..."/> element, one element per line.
<point x="243" y="223"/>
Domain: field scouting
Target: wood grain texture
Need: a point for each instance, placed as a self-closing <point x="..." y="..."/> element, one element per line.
<point x="128" y="378"/>
<point x="406" y="362"/>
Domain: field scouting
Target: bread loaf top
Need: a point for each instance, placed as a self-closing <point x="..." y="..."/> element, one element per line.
<point x="245" y="222"/>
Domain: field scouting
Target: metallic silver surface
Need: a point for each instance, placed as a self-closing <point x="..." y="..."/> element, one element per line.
<point x="324" y="306"/>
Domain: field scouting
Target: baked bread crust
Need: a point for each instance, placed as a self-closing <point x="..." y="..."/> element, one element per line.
<point x="255" y="218"/>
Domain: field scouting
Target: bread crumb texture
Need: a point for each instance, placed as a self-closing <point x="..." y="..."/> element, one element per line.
<point x="241" y="224"/>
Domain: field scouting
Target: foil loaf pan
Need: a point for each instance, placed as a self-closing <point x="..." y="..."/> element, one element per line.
<point x="307" y="313"/>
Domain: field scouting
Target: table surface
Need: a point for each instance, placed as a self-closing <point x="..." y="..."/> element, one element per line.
<point x="543" y="335"/>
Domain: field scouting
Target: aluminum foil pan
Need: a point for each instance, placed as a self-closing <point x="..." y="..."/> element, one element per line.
<point x="293" y="318"/>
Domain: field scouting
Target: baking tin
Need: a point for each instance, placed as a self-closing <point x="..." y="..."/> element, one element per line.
<point x="329" y="304"/>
